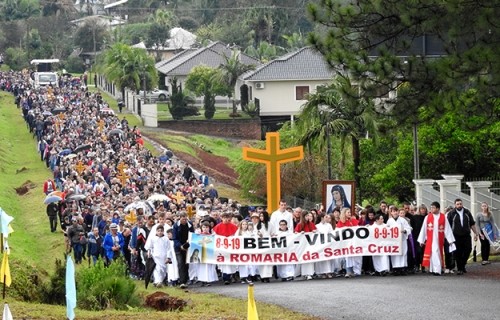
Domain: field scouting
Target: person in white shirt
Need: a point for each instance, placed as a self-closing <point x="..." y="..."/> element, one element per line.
<point x="281" y="214"/>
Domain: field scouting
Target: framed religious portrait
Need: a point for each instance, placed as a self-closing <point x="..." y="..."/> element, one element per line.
<point x="338" y="194"/>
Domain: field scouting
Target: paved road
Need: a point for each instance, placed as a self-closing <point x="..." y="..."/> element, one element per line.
<point x="475" y="295"/>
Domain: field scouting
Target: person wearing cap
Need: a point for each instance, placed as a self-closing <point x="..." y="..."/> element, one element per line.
<point x="113" y="243"/>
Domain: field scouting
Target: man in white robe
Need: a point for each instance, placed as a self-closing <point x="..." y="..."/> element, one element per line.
<point x="438" y="227"/>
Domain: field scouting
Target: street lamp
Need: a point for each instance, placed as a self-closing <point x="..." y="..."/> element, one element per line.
<point x="325" y="119"/>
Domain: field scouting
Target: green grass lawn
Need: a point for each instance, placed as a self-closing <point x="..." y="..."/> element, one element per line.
<point x="221" y="113"/>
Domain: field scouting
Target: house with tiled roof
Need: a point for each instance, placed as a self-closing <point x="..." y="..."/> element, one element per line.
<point x="182" y="63"/>
<point x="281" y="85"/>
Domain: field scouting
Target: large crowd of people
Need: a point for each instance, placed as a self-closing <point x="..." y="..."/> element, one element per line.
<point x="115" y="200"/>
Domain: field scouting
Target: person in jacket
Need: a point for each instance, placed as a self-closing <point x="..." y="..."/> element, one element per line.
<point x="113" y="244"/>
<point x="180" y="234"/>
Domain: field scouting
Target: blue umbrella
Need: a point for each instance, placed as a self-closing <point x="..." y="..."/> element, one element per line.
<point x="65" y="152"/>
<point x="51" y="199"/>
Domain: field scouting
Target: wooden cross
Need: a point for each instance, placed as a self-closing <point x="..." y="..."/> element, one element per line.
<point x="61" y="116"/>
<point x="80" y="167"/>
<point x="273" y="157"/>
<point x="123" y="178"/>
<point x="101" y="125"/>
<point x="178" y="197"/>
<point x="121" y="167"/>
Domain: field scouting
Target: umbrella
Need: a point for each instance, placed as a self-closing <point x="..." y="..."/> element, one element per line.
<point x="82" y="148"/>
<point x="58" y="194"/>
<point x="148" y="273"/>
<point x="115" y="131"/>
<point x="47" y="113"/>
<point x="65" y="152"/>
<point x="107" y="111"/>
<point x="70" y="156"/>
<point x="76" y="197"/>
<point x="51" y="199"/>
<point x="159" y="197"/>
<point x="58" y="110"/>
<point x="130" y="207"/>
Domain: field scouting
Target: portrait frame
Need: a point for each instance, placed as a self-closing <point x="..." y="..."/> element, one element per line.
<point x="348" y="189"/>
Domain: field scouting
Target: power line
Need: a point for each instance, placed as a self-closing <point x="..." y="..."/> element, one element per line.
<point x="211" y="9"/>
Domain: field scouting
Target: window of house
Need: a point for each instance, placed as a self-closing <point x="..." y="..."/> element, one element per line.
<point x="301" y="92"/>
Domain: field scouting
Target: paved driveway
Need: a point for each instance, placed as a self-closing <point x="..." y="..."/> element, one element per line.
<point x="475" y="295"/>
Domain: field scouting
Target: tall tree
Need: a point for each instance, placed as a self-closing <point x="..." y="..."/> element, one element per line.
<point x="231" y="69"/>
<point x="202" y="80"/>
<point x="446" y="45"/>
<point x="19" y="9"/>
<point x="337" y="109"/>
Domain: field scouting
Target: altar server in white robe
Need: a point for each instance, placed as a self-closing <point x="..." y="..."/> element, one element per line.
<point x="324" y="268"/>
<point x="285" y="271"/>
<point x="400" y="262"/>
<point x="380" y="263"/>
<point x="159" y="249"/>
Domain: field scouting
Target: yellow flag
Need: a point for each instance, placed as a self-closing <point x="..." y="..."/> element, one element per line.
<point x="5" y="270"/>
<point x="252" y="308"/>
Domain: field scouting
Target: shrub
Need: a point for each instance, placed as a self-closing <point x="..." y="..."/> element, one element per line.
<point x="180" y="103"/>
<point x="102" y="287"/>
<point x="16" y="58"/>
<point x="54" y="290"/>
<point x="252" y="109"/>
<point x="74" y="65"/>
<point x="26" y="281"/>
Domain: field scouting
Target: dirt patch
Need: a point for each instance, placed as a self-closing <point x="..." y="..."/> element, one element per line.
<point x="215" y="166"/>
<point x="21" y="170"/>
<point x="163" y="302"/>
<point x="25" y="188"/>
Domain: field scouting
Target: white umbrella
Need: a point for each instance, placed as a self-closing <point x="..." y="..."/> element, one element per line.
<point x="159" y="197"/>
<point x="70" y="156"/>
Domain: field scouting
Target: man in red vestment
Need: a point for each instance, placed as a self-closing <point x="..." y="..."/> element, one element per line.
<point x="434" y="230"/>
<point x="226" y="229"/>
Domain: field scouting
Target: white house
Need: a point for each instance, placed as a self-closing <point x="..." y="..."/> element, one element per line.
<point x="281" y="85"/>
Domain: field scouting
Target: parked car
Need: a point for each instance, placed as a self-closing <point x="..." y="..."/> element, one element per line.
<point x="156" y="94"/>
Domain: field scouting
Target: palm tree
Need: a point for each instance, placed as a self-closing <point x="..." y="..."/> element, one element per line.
<point x="338" y="110"/>
<point x="127" y="66"/>
<point x="231" y="70"/>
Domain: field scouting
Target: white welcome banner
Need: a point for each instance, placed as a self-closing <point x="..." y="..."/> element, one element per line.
<point x="295" y="248"/>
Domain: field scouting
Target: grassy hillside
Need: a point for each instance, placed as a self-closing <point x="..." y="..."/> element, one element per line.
<point x="20" y="164"/>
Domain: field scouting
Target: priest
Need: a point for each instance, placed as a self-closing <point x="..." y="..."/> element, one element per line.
<point x="434" y="230"/>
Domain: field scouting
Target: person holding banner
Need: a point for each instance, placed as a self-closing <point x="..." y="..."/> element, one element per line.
<point x="487" y="231"/>
<point x="434" y="230"/>
<point x="399" y="262"/>
<point x="306" y="224"/>
<point x="247" y="272"/>
<point x="285" y="271"/>
<point x="380" y="263"/>
<point x="353" y="264"/>
<point x="324" y="268"/>
<point x="206" y="272"/>
<point x="226" y="229"/>
<point x="265" y="229"/>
